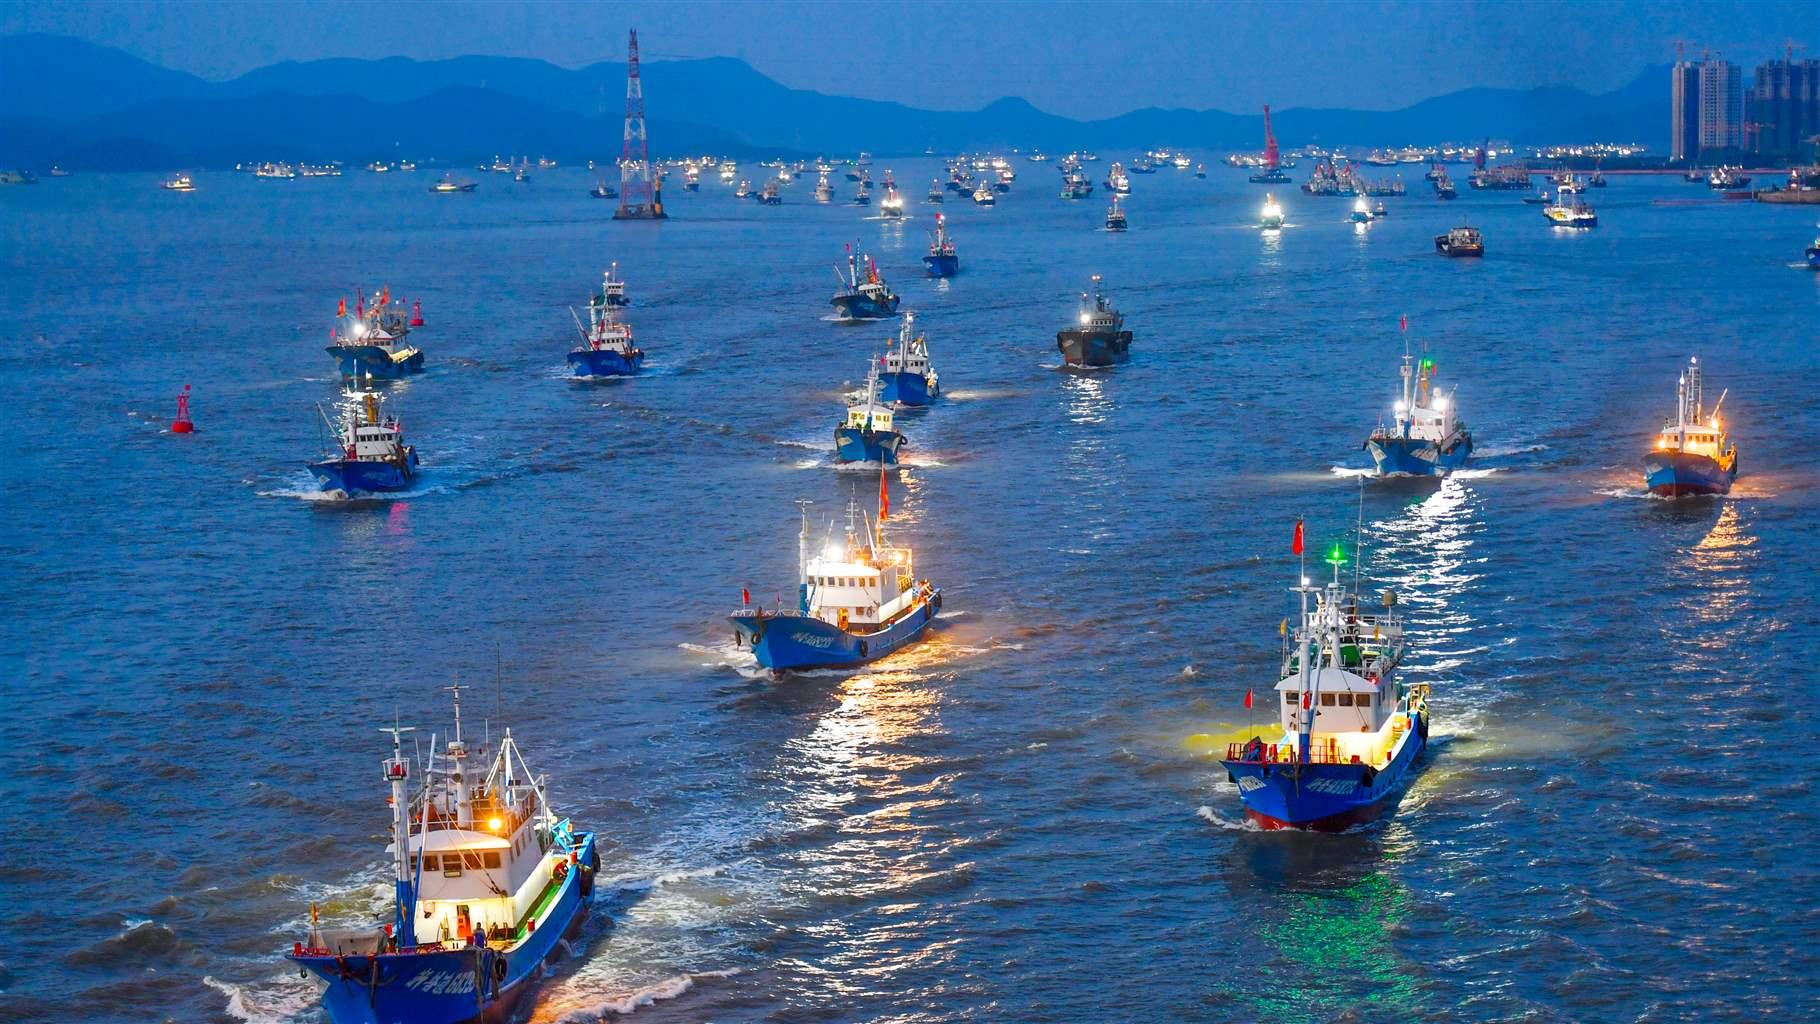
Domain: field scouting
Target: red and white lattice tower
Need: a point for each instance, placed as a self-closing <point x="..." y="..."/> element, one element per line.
<point x="638" y="197"/>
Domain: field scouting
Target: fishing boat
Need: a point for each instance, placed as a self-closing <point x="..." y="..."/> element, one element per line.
<point x="867" y="434"/>
<point x="1076" y="185"/>
<point x="1272" y="218"/>
<point x="1575" y="214"/>
<point x="942" y="261"/>
<point x="692" y="179"/>
<point x="1568" y="185"/>
<point x="857" y="601"/>
<point x="607" y="348"/>
<point x="1692" y="455"/>
<point x="743" y="190"/>
<point x="449" y="184"/>
<point x="1598" y="178"/>
<point x="602" y="190"/>
<point x="1117" y="180"/>
<point x="1348" y="730"/>
<point x="488" y="885"/>
<point x="1538" y="199"/>
<point x="770" y="195"/>
<point x="1426" y="436"/>
<point x="824" y="192"/>
<point x="1361" y="211"/>
<point x="909" y="378"/>
<point x="1444" y="187"/>
<point x="1813" y="254"/>
<point x="870" y="299"/>
<point x="370" y="456"/>
<point x="1724" y="178"/>
<point x="370" y="344"/>
<point x="178" y="183"/>
<point x="1115" y="215"/>
<point x="277" y="171"/>
<point x="1200" y="170"/>
<point x="1378" y="210"/>
<point x="891" y="207"/>
<point x="936" y="193"/>
<point x="863" y="197"/>
<point x="1461" y="241"/>
<point x="984" y="195"/>
<point x="1099" y="337"/>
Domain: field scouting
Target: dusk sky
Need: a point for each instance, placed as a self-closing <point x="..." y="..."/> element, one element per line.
<point x="1078" y="59"/>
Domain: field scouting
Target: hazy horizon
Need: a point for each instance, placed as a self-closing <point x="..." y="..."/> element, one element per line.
<point x="1079" y="60"/>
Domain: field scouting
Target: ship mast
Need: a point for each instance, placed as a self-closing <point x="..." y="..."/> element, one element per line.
<point x="398" y="774"/>
<point x="802" y="558"/>
<point x="1270" y="142"/>
<point x="458" y="753"/>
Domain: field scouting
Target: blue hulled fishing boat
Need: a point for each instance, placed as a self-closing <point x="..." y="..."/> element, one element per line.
<point x="870" y="299"/>
<point x="867" y="434"/>
<point x="1692" y="455"/>
<point x="371" y="343"/>
<point x="857" y="601"/>
<point x="1350" y="731"/>
<point x="1427" y="437"/>
<point x="942" y="261"/>
<point x="908" y="377"/>
<point x="487" y="884"/>
<point x="371" y="456"/>
<point x="607" y="348"/>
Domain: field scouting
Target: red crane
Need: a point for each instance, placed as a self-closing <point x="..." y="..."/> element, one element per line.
<point x="1270" y="141"/>
<point x="639" y="199"/>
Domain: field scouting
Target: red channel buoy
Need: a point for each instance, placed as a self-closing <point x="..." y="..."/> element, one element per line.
<point x="182" y="424"/>
<point x="417" y="313"/>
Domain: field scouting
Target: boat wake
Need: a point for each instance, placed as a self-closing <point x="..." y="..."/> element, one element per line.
<point x="278" y="999"/>
<point x="1241" y="825"/>
<point x="631" y="1002"/>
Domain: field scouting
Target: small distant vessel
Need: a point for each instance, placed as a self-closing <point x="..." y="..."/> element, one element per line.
<point x="1272" y="173"/>
<point x="863" y="197"/>
<point x="909" y="378"/>
<point x="179" y="183"/>
<point x="728" y="170"/>
<point x="1598" y="178"/>
<point x="58" y="172"/>
<point x="942" y="261"/>
<point x="488" y="887"/>
<point x="1350" y="732"/>
<point x="892" y="206"/>
<point x="870" y="299"/>
<point x="1100" y="338"/>
<point x="936" y="192"/>
<point x="692" y="179"/>
<point x="1115" y="215"/>
<point x="743" y="190"/>
<point x="984" y="195"/>
<point x="272" y="170"/>
<point x="1692" y="455"/>
<point x="1378" y="210"/>
<point x="867" y="434"/>
<point x="1813" y="254"/>
<point x="1076" y="185"/>
<point x="371" y="344"/>
<point x="857" y="601"/>
<point x="824" y="192"/>
<point x="1576" y="214"/>
<point x="1461" y="241"/>
<point x="602" y="190"/>
<point x="607" y="348"/>
<point x="1200" y="170"/>
<point x="1361" y="213"/>
<point x="449" y="184"/>
<point x="1272" y="218"/>
<point x="1568" y="185"/>
<point x="1183" y="161"/>
<point x="771" y="195"/>
<point x="1724" y="177"/>
<point x="1539" y="199"/>
<point x="1444" y="187"/>
<point x="1427" y="437"/>
<point x="371" y="457"/>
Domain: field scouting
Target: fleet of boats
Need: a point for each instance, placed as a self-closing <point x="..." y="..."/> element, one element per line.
<point x="488" y="881"/>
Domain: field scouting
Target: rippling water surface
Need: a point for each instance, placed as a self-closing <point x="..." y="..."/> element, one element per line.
<point x="1018" y="819"/>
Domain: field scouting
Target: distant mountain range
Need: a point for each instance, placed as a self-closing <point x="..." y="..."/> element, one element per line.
<point x="74" y="103"/>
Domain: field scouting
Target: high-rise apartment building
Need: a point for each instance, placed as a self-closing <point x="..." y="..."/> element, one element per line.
<point x="1707" y="108"/>
<point x="1785" y="106"/>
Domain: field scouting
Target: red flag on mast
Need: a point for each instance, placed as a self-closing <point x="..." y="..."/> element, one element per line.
<point x="1295" y="547"/>
<point x="745" y="598"/>
<point x="1247" y="699"/>
<point x="342" y="308"/>
<point x="1403" y="321"/>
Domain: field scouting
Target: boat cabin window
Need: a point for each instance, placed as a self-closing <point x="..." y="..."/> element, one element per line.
<point x="1289" y="698"/>
<point x="1364" y="699"/>
<point x="451" y="867"/>
<point x="429" y="862"/>
<point x="490" y="858"/>
<point x="1327" y="700"/>
<point x="471" y="860"/>
<point x="1346" y="700"/>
